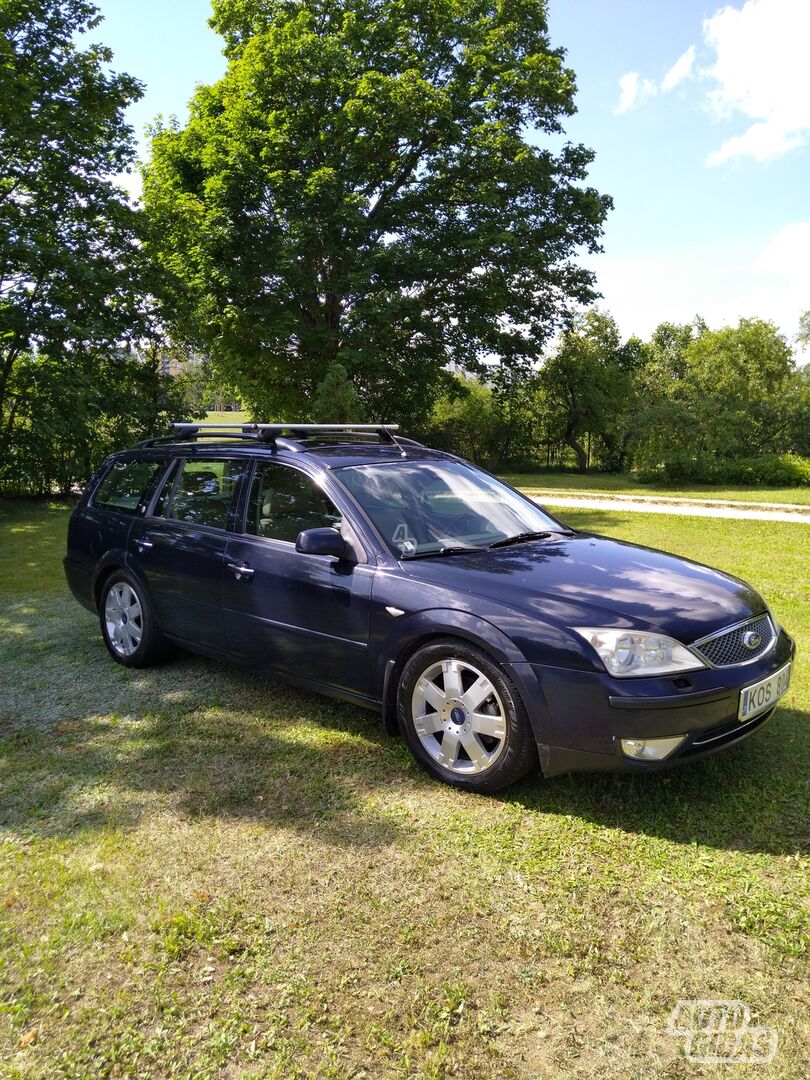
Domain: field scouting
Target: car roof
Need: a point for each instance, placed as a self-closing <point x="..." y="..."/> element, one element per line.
<point x="327" y="455"/>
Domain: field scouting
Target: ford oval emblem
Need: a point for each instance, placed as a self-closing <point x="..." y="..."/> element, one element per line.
<point x="752" y="639"/>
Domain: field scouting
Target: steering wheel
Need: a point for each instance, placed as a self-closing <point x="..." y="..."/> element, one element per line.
<point x="457" y="522"/>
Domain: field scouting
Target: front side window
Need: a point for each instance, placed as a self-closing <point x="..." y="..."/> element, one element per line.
<point x="424" y="507"/>
<point x="202" y="493"/>
<point x="284" y="502"/>
<point x="125" y="485"/>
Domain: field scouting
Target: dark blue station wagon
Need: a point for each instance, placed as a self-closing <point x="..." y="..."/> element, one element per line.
<point x="354" y="562"/>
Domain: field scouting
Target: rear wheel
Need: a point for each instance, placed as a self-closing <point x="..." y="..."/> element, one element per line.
<point x="463" y="718"/>
<point x="128" y="625"/>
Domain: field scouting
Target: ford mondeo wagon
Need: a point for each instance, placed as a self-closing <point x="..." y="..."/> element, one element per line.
<point x="348" y="560"/>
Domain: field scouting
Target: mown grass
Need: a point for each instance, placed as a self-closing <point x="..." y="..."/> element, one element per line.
<point x="623" y="484"/>
<point x="203" y="873"/>
<point x="224" y="417"/>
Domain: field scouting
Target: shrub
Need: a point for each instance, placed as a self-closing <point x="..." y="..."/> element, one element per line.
<point x="773" y="470"/>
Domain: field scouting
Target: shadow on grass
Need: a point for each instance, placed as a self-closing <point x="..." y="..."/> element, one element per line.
<point x="100" y="773"/>
<point x="752" y="797"/>
<point x="86" y="744"/>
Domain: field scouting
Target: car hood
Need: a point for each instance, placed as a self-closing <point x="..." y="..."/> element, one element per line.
<point x="586" y="580"/>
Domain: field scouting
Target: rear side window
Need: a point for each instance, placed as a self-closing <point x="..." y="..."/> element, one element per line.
<point x="125" y="485"/>
<point x="203" y="492"/>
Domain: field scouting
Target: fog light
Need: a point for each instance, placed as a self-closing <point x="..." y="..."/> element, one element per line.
<point x="651" y="749"/>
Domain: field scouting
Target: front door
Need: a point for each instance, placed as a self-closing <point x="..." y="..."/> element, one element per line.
<point x="304" y="615"/>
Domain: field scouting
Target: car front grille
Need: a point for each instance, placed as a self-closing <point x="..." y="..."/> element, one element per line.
<point x="739" y="644"/>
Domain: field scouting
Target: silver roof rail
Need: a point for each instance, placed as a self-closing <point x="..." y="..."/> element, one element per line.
<point x="309" y="429"/>
<point x="281" y="435"/>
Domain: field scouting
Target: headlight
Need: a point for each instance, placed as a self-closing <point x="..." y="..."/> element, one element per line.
<point x="627" y="653"/>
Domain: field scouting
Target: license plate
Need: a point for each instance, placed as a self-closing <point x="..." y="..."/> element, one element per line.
<point x="763" y="695"/>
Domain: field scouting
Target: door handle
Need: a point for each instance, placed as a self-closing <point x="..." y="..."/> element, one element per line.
<point x="144" y="544"/>
<point x="241" y="570"/>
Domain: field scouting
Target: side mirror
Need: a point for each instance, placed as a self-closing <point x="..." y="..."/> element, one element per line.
<point x="321" y="542"/>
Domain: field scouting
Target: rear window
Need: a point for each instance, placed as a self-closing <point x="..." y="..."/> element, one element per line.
<point x="125" y="485"/>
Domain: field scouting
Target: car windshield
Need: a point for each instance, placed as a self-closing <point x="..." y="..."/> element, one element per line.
<point x="442" y="507"/>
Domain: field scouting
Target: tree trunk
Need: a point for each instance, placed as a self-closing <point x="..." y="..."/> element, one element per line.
<point x="582" y="457"/>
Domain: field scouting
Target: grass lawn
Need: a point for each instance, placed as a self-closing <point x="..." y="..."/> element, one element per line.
<point x="622" y="484"/>
<point x="205" y="874"/>
<point x="214" y="417"/>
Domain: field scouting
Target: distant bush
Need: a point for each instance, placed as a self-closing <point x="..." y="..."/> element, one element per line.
<point x="774" y="470"/>
<point x="71" y="412"/>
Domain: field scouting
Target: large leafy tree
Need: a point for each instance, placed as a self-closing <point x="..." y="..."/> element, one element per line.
<point x="372" y="184"/>
<point x="708" y="397"/>
<point x="739" y="381"/>
<point x="586" y="387"/>
<point x="67" y="241"/>
<point x="716" y="394"/>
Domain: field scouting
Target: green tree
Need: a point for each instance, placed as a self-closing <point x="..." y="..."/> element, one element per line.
<point x="513" y="400"/>
<point x="200" y="385"/>
<point x="798" y="409"/>
<point x="737" y="383"/>
<point x="67" y="234"/>
<point x="709" y="396"/>
<point x="68" y="421"/>
<point x="370" y="184"/>
<point x="586" y="384"/>
<point x="663" y="423"/>
<point x="336" y="399"/>
<point x="464" y="420"/>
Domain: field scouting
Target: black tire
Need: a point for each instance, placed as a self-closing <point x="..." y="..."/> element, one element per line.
<point x="136" y="621"/>
<point x="500" y="758"/>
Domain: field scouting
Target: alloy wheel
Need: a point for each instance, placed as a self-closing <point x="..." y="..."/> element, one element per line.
<point x="123" y="618"/>
<point x="459" y="716"/>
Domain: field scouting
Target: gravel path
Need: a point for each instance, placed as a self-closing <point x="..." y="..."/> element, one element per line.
<point x="649" y="504"/>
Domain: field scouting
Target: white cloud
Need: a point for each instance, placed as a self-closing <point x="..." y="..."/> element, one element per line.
<point x="680" y="70"/>
<point x="723" y="283"/>
<point x="788" y="256"/>
<point x="633" y="90"/>
<point x="761" y="74"/>
<point x="761" y="141"/>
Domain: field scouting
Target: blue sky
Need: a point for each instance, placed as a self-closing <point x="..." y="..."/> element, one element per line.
<point x="699" y="114"/>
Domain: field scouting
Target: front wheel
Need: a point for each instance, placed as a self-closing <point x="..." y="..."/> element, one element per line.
<point x="128" y="625"/>
<point x="463" y="718"/>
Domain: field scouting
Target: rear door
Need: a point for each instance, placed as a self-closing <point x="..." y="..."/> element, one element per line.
<point x="305" y="615"/>
<point x="179" y="548"/>
<point x="103" y="525"/>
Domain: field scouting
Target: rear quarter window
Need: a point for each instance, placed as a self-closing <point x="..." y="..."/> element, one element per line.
<point x="125" y="485"/>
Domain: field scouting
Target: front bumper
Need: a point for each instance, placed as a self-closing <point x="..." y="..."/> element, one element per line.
<point x="579" y="717"/>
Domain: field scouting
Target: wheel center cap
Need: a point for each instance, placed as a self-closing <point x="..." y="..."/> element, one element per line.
<point x="124" y="618"/>
<point x="458" y="715"/>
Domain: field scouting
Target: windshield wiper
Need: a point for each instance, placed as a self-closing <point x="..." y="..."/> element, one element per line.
<point x="521" y="538"/>
<point x="449" y="549"/>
